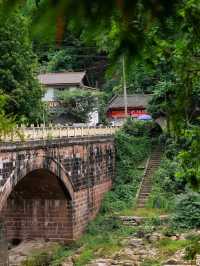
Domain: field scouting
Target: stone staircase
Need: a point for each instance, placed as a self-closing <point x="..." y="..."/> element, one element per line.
<point x="146" y="184"/>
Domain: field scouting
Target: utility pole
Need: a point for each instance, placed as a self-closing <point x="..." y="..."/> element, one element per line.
<point x="125" y="92"/>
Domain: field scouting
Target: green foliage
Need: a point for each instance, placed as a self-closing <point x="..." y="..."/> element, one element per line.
<point x="7" y="124"/>
<point x="105" y="22"/>
<point x="60" y="254"/>
<point x="137" y="128"/>
<point x="97" y="241"/>
<point x="187" y="211"/>
<point x="85" y="257"/>
<point x="18" y="68"/>
<point x="77" y="104"/>
<point x="168" y="247"/>
<point x="131" y="150"/>
<point x="165" y="186"/>
<point x="194" y="248"/>
<point x="38" y="260"/>
<point x="151" y="262"/>
<point x="163" y="101"/>
<point x="189" y="159"/>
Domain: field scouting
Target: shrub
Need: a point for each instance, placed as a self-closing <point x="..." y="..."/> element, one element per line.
<point x="103" y="224"/>
<point x="187" y="211"/>
<point x="38" y="260"/>
<point x="150" y="262"/>
<point x="193" y="248"/>
<point x="137" y="128"/>
<point x="168" y="247"/>
<point x="165" y="186"/>
<point x="86" y="256"/>
<point x="130" y="152"/>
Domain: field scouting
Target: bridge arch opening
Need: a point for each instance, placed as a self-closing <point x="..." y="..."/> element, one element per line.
<point x="39" y="206"/>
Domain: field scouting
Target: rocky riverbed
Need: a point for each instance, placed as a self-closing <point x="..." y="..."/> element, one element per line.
<point x="147" y="246"/>
<point x="25" y="249"/>
<point x="137" y="251"/>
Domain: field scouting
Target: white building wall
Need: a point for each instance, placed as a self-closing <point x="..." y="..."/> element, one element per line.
<point x="93" y="118"/>
<point x="49" y="95"/>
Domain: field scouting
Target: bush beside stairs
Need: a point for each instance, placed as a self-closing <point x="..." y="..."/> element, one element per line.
<point x="146" y="183"/>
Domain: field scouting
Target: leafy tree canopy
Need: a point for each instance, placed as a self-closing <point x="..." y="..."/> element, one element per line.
<point x="18" y="68"/>
<point x="78" y="104"/>
<point x="6" y="123"/>
<point x="122" y="22"/>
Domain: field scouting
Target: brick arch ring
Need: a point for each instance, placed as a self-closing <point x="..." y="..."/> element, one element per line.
<point x="32" y="164"/>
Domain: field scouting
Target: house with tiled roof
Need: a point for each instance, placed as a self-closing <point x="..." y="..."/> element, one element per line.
<point x="55" y="82"/>
<point x="136" y="105"/>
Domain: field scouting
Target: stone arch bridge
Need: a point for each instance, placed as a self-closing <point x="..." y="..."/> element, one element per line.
<point x="51" y="187"/>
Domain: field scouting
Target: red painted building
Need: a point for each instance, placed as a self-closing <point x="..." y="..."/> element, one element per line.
<point x="136" y="105"/>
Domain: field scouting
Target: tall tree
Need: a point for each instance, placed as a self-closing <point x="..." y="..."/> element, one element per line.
<point x="18" y="68"/>
<point x="6" y="123"/>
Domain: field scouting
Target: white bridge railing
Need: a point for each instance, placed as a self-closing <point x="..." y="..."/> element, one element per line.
<point x="55" y="132"/>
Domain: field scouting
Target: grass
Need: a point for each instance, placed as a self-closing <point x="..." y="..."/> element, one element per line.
<point x="103" y="238"/>
<point x="143" y="212"/>
<point x="102" y="244"/>
<point x="42" y="258"/>
<point x="85" y="257"/>
<point x="53" y="256"/>
<point x="150" y="262"/>
<point x="167" y="247"/>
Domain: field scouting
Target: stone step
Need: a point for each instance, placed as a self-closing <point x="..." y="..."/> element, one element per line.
<point x="145" y="191"/>
<point x="142" y="202"/>
<point x="154" y="166"/>
<point x="146" y="186"/>
<point x="143" y="194"/>
<point x="147" y="183"/>
<point x="142" y="199"/>
<point x="141" y="206"/>
<point x="148" y="177"/>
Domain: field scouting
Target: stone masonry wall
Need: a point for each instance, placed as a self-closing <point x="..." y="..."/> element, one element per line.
<point x="87" y="204"/>
<point x="34" y="219"/>
<point x="52" y="189"/>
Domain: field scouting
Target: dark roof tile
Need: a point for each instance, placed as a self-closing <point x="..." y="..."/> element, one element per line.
<point x="134" y="100"/>
<point x="62" y="78"/>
